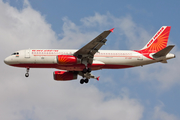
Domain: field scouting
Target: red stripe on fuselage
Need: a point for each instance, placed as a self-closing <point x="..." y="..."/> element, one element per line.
<point x="77" y="67"/>
<point x="97" y="56"/>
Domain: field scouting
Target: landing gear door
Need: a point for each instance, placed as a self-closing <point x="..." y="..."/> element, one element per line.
<point x="27" y="53"/>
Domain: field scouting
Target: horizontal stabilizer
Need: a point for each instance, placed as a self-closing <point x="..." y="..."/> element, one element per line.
<point x="164" y="51"/>
<point x="164" y="61"/>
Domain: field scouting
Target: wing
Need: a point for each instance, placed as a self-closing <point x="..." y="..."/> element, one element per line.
<point x="87" y="52"/>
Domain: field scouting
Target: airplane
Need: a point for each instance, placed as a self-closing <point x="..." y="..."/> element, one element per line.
<point x="89" y="58"/>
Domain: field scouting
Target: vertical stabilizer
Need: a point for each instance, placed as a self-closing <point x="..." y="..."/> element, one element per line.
<point x="158" y="41"/>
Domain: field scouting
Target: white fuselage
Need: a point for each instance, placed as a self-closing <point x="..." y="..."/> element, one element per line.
<point x="104" y="59"/>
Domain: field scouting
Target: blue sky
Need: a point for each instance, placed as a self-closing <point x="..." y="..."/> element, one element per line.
<point x="142" y="93"/>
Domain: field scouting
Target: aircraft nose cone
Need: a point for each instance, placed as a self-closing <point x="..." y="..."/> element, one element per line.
<point x="7" y="60"/>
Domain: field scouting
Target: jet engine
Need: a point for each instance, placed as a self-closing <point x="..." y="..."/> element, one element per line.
<point x="64" y="76"/>
<point x="68" y="60"/>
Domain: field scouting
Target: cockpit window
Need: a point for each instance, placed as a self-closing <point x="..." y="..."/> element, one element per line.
<point x="15" y="53"/>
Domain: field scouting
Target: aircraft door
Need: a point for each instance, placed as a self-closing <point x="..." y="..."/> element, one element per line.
<point x="27" y="53"/>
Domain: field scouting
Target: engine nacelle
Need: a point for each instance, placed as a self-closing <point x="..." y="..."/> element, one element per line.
<point x="64" y="76"/>
<point x="68" y="60"/>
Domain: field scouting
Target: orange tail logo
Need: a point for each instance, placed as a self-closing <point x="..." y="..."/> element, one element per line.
<point x="157" y="42"/>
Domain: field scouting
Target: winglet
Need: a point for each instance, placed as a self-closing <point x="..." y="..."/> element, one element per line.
<point x="98" y="78"/>
<point x="111" y="29"/>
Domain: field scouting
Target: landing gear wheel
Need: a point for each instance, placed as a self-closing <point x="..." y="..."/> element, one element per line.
<point x="27" y="75"/>
<point x="86" y="80"/>
<point x="82" y="81"/>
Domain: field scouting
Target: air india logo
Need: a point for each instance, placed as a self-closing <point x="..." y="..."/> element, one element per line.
<point x="66" y="59"/>
<point x="159" y="41"/>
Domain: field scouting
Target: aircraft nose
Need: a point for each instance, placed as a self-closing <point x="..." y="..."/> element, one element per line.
<point x="7" y="60"/>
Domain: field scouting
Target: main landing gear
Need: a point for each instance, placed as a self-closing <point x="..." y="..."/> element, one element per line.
<point x="85" y="70"/>
<point x="86" y="73"/>
<point x="27" y="74"/>
<point x="84" y="81"/>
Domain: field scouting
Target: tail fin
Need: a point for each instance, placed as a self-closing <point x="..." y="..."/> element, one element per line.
<point x="158" y="41"/>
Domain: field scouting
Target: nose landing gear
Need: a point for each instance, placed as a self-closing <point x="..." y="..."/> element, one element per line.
<point x="27" y="74"/>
